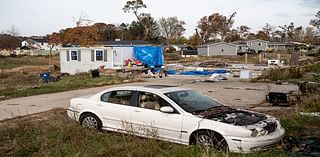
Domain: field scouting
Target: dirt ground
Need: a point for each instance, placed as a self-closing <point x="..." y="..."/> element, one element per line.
<point x="233" y="93"/>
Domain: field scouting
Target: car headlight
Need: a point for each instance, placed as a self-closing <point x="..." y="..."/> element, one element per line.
<point x="255" y="132"/>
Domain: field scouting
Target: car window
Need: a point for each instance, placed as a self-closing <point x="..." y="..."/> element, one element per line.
<point x="105" y="97"/>
<point x="117" y="97"/>
<point x="151" y="101"/>
<point x="192" y="101"/>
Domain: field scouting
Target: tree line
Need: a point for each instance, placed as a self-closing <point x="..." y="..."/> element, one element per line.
<point x="170" y="30"/>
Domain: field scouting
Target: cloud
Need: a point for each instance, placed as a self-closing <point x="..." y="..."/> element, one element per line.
<point x="311" y="3"/>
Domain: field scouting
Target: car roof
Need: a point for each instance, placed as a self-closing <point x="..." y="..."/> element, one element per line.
<point x="152" y="88"/>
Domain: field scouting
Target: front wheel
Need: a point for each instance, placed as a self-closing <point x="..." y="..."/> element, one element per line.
<point x="210" y="140"/>
<point x="91" y="121"/>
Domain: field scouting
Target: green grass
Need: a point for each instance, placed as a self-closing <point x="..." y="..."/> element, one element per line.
<point x="61" y="136"/>
<point x="13" y="62"/>
<point x="65" y="84"/>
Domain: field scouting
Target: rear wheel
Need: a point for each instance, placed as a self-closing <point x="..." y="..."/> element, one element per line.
<point x="91" y="121"/>
<point x="210" y="140"/>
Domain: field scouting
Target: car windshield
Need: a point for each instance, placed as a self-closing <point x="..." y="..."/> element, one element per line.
<point x="192" y="101"/>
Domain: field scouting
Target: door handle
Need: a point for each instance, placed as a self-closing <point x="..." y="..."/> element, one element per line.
<point x="98" y="104"/>
<point x="137" y="111"/>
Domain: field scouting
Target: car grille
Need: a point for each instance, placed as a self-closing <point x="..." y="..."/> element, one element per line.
<point x="271" y="127"/>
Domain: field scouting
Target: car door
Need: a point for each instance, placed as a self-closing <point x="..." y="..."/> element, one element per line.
<point x="148" y="120"/>
<point x="116" y="107"/>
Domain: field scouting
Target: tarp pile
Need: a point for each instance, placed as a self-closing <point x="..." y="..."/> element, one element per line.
<point x="152" y="56"/>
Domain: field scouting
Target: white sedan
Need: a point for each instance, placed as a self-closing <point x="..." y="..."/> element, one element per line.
<point x="178" y="115"/>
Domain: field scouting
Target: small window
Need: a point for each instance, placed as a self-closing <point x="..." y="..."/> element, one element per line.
<point x="117" y="97"/>
<point x="249" y="44"/>
<point x="74" y="55"/>
<point x="151" y="101"/>
<point x="99" y="55"/>
<point x="222" y="50"/>
<point x="259" y="44"/>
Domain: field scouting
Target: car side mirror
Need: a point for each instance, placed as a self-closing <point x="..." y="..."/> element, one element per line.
<point x="167" y="109"/>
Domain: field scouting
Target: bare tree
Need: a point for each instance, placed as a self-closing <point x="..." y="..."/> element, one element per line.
<point x="171" y="28"/>
<point x="83" y="20"/>
<point x="13" y="31"/>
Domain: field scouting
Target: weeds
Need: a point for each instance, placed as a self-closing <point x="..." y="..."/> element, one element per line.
<point x="54" y="134"/>
<point x="67" y="83"/>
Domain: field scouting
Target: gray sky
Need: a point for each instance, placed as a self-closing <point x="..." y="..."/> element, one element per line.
<point x="41" y="17"/>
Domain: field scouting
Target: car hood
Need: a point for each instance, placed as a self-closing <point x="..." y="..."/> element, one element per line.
<point x="232" y="116"/>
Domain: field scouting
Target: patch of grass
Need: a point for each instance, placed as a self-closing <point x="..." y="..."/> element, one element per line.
<point x="310" y="103"/>
<point x="66" y="83"/>
<point x="57" y="135"/>
<point x="13" y="62"/>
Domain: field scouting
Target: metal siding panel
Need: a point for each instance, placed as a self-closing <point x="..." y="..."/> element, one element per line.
<point x="92" y="55"/>
<point x="68" y="55"/>
<point x="105" y="57"/>
<point x="79" y="55"/>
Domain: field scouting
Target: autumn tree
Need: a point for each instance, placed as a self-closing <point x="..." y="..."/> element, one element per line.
<point x="262" y="35"/>
<point x="269" y="30"/>
<point x="215" y="25"/>
<point x="309" y="35"/>
<point x="171" y="28"/>
<point x="291" y="32"/>
<point x="244" y="31"/>
<point x="143" y="19"/>
<point x="233" y="35"/>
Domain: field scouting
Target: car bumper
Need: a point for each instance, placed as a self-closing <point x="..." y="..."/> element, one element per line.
<point x="244" y="145"/>
<point x="73" y="114"/>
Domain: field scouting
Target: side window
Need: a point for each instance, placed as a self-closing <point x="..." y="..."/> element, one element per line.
<point x="99" y="55"/>
<point x="105" y="97"/>
<point x="259" y="44"/>
<point x="151" y="101"/>
<point x="74" y="55"/>
<point x="118" y="97"/>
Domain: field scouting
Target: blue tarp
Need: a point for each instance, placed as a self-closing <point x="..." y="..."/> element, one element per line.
<point x="204" y="72"/>
<point x="150" y="55"/>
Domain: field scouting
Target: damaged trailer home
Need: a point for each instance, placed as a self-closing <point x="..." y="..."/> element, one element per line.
<point x="75" y="60"/>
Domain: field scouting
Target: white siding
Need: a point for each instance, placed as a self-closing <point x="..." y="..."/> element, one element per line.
<point x="85" y="64"/>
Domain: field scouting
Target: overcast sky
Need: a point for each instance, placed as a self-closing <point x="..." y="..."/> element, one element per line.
<point x="41" y="17"/>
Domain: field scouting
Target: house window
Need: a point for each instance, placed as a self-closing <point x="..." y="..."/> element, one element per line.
<point x="259" y="44"/>
<point x="99" y="55"/>
<point x="74" y="55"/>
<point x="222" y="50"/>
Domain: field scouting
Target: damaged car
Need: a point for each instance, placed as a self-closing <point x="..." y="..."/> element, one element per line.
<point x="177" y="115"/>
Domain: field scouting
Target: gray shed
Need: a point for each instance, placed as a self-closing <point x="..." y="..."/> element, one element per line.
<point x="215" y="49"/>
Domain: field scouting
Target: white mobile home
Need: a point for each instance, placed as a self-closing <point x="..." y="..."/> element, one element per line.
<point x="75" y="60"/>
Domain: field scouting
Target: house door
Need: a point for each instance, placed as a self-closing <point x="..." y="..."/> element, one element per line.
<point x="117" y="58"/>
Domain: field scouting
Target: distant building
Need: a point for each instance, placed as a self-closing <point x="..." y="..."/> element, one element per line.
<point x="215" y="49"/>
<point x="257" y="45"/>
<point x="38" y="43"/>
<point x="280" y="46"/>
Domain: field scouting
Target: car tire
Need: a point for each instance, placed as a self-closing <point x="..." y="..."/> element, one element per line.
<point x="91" y="121"/>
<point x="210" y="140"/>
